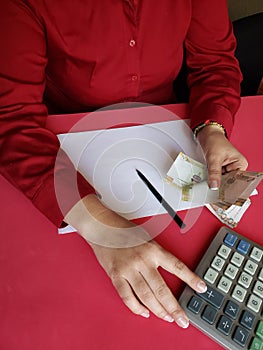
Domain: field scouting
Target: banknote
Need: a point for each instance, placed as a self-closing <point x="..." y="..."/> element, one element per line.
<point x="229" y="216"/>
<point x="233" y="196"/>
<point x="184" y="173"/>
<point x="237" y="186"/>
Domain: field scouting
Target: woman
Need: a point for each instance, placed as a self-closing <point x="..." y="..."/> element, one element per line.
<point x="88" y="54"/>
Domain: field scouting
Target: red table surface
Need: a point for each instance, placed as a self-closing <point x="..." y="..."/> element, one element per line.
<point x="53" y="293"/>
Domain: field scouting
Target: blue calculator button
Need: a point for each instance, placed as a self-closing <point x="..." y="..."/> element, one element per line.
<point x="230" y="239"/>
<point x="243" y="247"/>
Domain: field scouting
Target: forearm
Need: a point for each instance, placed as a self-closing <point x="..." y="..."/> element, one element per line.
<point x="99" y="225"/>
<point x="214" y="74"/>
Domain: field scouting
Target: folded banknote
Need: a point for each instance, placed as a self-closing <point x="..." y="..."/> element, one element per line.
<point x="233" y="196"/>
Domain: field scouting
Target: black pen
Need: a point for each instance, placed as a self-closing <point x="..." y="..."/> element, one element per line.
<point x="160" y="199"/>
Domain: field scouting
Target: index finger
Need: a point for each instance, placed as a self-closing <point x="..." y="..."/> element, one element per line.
<point x="175" y="266"/>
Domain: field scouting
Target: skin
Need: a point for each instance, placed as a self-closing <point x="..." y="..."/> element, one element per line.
<point x="134" y="270"/>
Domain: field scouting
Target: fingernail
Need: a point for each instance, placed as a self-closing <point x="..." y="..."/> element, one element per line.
<point x="145" y="314"/>
<point x="182" y="322"/>
<point x="214" y="185"/>
<point x="168" y="318"/>
<point x="202" y="287"/>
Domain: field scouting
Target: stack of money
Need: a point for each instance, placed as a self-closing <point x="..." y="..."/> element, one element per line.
<point x="233" y="196"/>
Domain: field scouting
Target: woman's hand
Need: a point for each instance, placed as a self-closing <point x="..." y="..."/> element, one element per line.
<point x="221" y="156"/>
<point x="133" y="272"/>
<point x="131" y="259"/>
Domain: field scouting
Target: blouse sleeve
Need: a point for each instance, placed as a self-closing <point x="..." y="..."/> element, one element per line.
<point x="214" y="75"/>
<point x="29" y="156"/>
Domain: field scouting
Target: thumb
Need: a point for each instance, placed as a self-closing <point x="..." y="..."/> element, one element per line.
<point x="214" y="174"/>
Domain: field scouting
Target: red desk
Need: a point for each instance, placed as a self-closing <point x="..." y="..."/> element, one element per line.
<point x="55" y="296"/>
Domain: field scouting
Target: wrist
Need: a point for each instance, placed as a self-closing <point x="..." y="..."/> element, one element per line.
<point x="90" y="211"/>
<point x="208" y="127"/>
<point x="209" y="130"/>
<point x="210" y="135"/>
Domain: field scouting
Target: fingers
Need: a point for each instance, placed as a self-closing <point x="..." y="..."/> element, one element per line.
<point x="147" y="295"/>
<point x="240" y="164"/>
<point x="138" y="288"/>
<point x="154" y="295"/>
<point x="216" y="167"/>
<point x="173" y="265"/>
<point x="125" y="292"/>
<point x="134" y="273"/>
<point x="166" y="299"/>
<point x="214" y="173"/>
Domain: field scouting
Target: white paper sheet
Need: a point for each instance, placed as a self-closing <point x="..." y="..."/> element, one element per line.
<point x="108" y="159"/>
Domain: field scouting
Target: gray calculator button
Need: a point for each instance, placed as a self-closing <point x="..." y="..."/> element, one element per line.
<point x="239" y="293"/>
<point x="256" y="254"/>
<point x="224" y="251"/>
<point x="241" y="336"/>
<point x="245" y="279"/>
<point x="209" y="314"/>
<point x="231" y="271"/>
<point x="254" y="303"/>
<point x="213" y="297"/>
<point x="224" y="325"/>
<point x="250" y="267"/>
<point x="224" y="284"/>
<point x="260" y="276"/>
<point x="247" y="319"/>
<point x="231" y="309"/>
<point x="210" y="275"/>
<point x="258" y="289"/>
<point x="237" y="259"/>
<point x="195" y="305"/>
<point x="218" y="263"/>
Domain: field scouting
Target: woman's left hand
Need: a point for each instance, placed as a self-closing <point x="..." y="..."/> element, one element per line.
<point x="221" y="156"/>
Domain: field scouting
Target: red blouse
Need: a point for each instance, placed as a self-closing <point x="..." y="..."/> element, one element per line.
<point x="71" y="56"/>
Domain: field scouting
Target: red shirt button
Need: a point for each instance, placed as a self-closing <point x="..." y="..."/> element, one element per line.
<point x="132" y="43"/>
<point x="134" y="77"/>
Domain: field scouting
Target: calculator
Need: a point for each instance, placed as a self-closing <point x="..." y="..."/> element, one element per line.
<point x="230" y="311"/>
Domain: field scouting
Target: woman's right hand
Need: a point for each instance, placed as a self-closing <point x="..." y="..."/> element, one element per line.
<point x="134" y="273"/>
<point x="133" y="268"/>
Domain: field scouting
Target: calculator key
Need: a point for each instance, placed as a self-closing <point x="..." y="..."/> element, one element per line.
<point x="260" y="276"/>
<point x="247" y="319"/>
<point x="209" y="314"/>
<point x="224" y="284"/>
<point x="256" y="344"/>
<point x="251" y="267"/>
<point x="218" y="263"/>
<point x="239" y="293"/>
<point x="213" y="297"/>
<point x="224" y="251"/>
<point x="245" y="279"/>
<point x="231" y="271"/>
<point x="243" y="247"/>
<point x="256" y="254"/>
<point x="258" y="289"/>
<point x="224" y="325"/>
<point x="240" y="336"/>
<point x="195" y="305"/>
<point x="259" y="331"/>
<point x="211" y="275"/>
<point x="254" y="303"/>
<point x="237" y="259"/>
<point x="231" y="309"/>
<point x="230" y="240"/>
